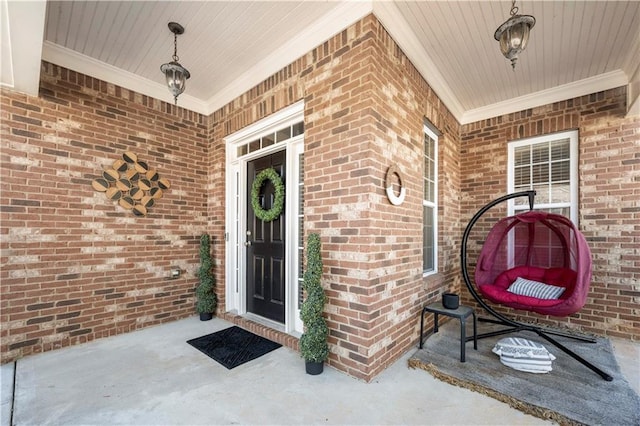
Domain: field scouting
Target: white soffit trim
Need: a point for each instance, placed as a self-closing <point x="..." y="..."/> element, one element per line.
<point x="633" y="94"/>
<point x="24" y="29"/>
<point x="391" y="18"/>
<point x="582" y="87"/>
<point x="333" y="22"/>
<point x="6" y="63"/>
<point x="73" y="60"/>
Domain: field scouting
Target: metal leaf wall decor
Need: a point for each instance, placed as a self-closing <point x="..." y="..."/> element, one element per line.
<point x="132" y="184"/>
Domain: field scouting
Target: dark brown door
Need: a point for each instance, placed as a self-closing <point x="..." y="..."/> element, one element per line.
<point x="265" y="246"/>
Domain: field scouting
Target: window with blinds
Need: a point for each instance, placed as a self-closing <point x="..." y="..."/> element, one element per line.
<point x="548" y="165"/>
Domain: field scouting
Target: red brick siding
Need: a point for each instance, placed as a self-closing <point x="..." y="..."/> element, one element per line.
<point x="609" y="192"/>
<point x="76" y="267"/>
<point x="387" y="241"/>
<point x="364" y="109"/>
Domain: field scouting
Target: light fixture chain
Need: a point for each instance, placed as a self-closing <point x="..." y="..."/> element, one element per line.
<point x="175" y="47"/>
<point x="514" y="8"/>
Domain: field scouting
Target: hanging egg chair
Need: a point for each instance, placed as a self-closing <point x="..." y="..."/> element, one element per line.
<point x="533" y="261"/>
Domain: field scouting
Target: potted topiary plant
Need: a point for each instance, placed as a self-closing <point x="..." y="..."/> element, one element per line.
<point x="313" y="343"/>
<point x="207" y="300"/>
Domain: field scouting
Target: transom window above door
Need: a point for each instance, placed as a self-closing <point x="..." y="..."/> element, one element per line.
<point x="281" y="135"/>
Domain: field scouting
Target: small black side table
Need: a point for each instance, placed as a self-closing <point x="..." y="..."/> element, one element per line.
<point x="462" y="313"/>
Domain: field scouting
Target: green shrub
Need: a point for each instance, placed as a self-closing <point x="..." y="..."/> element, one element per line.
<point x="207" y="300"/>
<point x="313" y="343"/>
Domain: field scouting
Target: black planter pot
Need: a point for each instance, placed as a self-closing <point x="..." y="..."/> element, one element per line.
<point x="205" y="316"/>
<point x="450" y="300"/>
<point x="314" y="368"/>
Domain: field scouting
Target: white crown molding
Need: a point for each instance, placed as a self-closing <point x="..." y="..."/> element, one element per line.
<point x="341" y="17"/>
<point x="22" y="34"/>
<point x="582" y="87"/>
<point x="633" y="93"/>
<point x="73" y="60"/>
<point x="333" y="22"/>
<point x="633" y="109"/>
<point x="391" y="18"/>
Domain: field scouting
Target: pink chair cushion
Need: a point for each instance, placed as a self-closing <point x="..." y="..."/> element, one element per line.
<point x="497" y="292"/>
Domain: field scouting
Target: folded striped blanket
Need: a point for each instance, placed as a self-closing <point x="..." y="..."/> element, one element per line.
<point x="524" y="355"/>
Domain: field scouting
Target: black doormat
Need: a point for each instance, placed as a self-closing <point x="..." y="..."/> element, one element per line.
<point x="233" y="346"/>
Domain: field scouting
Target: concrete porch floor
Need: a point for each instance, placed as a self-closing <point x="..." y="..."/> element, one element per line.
<point x="153" y="377"/>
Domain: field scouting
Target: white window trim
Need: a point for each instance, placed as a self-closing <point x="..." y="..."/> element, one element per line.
<point x="293" y="231"/>
<point x="433" y="204"/>
<point x="236" y="205"/>
<point x="572" y="135"/>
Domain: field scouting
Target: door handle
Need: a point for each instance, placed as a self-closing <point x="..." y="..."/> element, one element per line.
<point x="247" y="243"/>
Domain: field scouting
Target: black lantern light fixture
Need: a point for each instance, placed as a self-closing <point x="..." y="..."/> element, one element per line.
<point x="175" y="73"/>
<point x="513" y="35"/>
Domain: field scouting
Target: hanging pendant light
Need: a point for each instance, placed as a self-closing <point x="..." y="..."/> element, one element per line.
<point x="175" y="73"/>
<point x="513" y="35"/>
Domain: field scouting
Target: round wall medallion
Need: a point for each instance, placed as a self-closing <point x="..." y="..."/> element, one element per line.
<point x="147" y="201"/>
<point x="163" y="183"/>
<point x="120" y="166"/>
<point x="156" y="192"/>
<point x="123" y="184"/>
<point x="153" y="176"/>
<point x="139" y="210"/>
<point x="110" y="175"/>
<point x="100" y="184"/>
<point x="141" y="167"/>
<point x="130" y="157"/>
<point x="132" y="175"/>
<point x="394" y="199"/>
<point x="136" y="193"/>
<point x="144" y="184"/>
<point x="127" y="202"/>
<point x="114" y="193"/>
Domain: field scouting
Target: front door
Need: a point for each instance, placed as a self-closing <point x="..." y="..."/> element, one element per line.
<point x="265" y="246"/>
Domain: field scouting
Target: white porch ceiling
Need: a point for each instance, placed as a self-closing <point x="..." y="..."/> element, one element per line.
<point x="575" y="48"/>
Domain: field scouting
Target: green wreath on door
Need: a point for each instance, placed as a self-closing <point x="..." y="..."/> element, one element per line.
<point x="278" y="203"/>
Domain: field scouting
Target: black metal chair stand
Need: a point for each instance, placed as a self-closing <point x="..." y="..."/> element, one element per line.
<point x="515" y="326"/>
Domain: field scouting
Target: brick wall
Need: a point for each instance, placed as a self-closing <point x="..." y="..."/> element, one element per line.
<point x="375" y="278"/>
<point x="121" y="262"/>
<point x="74" y="265"/>
<point x="364" y="108"/>
<point x="609" y="193"/>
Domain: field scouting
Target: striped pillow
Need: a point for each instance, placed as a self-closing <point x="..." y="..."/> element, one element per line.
<point x="524" y="355"/>
<point x="528" y="366"/>
<point x="531" y="288"/>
